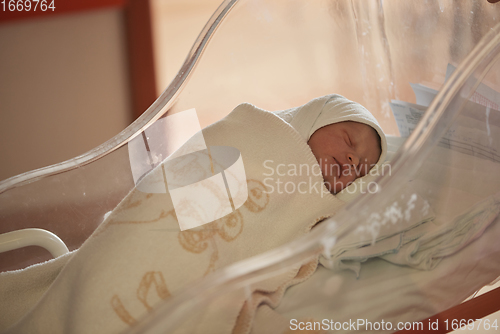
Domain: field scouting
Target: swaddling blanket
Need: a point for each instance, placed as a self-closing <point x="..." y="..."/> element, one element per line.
<point x="139" y="256"/>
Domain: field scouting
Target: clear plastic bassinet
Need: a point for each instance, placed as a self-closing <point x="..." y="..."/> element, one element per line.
<point x="279" y="54"/>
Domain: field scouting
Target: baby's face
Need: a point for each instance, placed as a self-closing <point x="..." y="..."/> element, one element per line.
<point x="345" y="151"/>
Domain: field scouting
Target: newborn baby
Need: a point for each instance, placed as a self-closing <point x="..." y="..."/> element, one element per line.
<point x="345" y="138"/>
<point x="345" y="151"/>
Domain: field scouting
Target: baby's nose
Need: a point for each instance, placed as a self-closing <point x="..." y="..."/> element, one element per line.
<point x="353" y="159"/>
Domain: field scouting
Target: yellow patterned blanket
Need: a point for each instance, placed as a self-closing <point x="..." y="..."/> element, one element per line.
<point x="139" y="256"/>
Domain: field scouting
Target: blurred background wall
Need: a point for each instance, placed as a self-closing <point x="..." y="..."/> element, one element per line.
<point x="176" y="24"/>
<point x="63" y="87"/>
<point x="69" y="80"/>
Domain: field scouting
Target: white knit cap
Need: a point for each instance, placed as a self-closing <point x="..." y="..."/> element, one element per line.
<point x="331" y="109"/>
